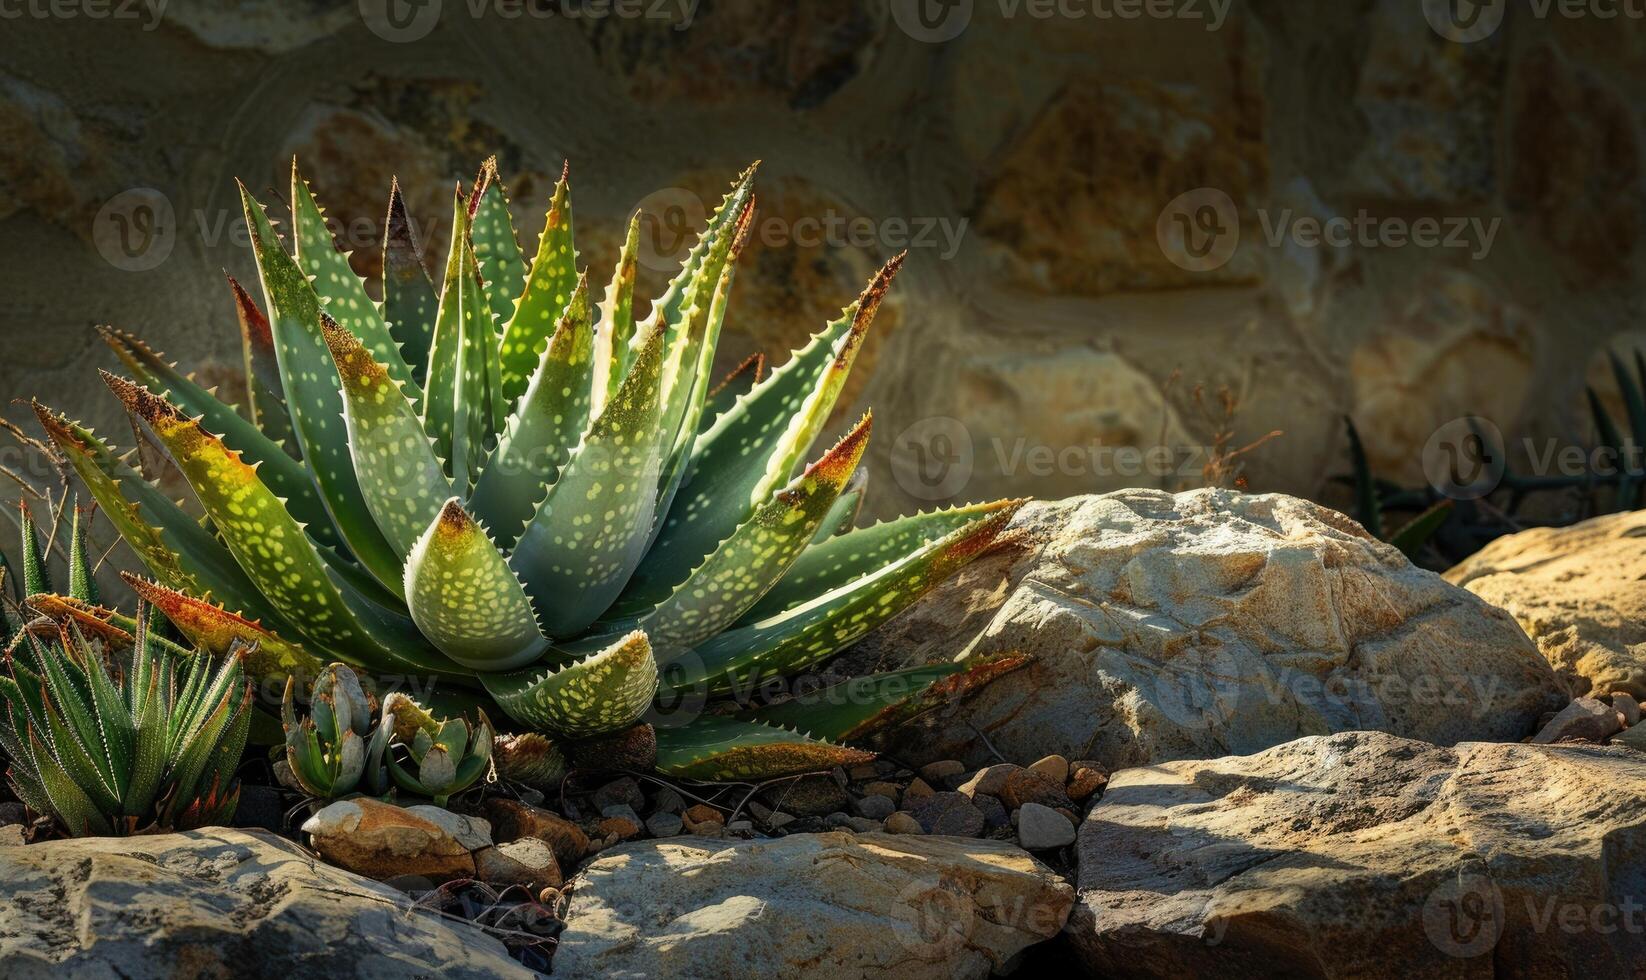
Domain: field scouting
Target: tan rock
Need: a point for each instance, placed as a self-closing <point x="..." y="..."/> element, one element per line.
<point x="1627" y="707"/>
<point x="1086" y="779"/>
<point x="1053" y="767"/>
<point x="990" y="780"/>
<point x="703" y="819"/>
<point x="1362" y="854"/>
<point x="528" y="862"/>
<point x="903" y="823"/>
<point x="1169" y="626"/>
<point x="1580" y="594"/>
<point x="218" y="903"/>
<point x="1584" y="720"/>
<point x="1027" y="786"/>
<point x="876" y="906"/>
<point x="512" y="820"/>
<point x="388" y="842"/>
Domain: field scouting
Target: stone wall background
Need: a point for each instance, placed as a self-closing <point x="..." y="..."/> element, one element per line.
<point x="1056" y="320"/>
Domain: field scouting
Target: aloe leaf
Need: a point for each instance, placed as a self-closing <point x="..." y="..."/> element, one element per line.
<point x="402" y="481"/>
<point x="614" y="335"/>
<point x="1414" y="534"/>
<point x="859" y="707"/>
<point x="77" y="745"/>
<point x="1634" y="400"/>
<point x="466" y="599"/>
<point x="114" y="723"/>
<point x="843" y="515"/>
<point x="502" y="264"/>
<point x="719" y="749"/>
<point x="474" y="384"/>
<point x="342" y="294"/>
<point x="604" y="692"/>
<point x="545" y="427"/>
<point x="830" y="564"/>
<point x="314" y="395"/>
<point x="409" y="301"/>
<point x="752" y="449"/>
<point x="810" y="633"/>
<point x="82" y="580"/>
<point x="256" y="529"/>
<point x="36" y="574"/>
<point x="170" y="543"/>
<point x="283" y="474"/>
<point x="547" y="290"/>
<point x="71" y="804"/>
<point x="199" y="743"/>
<point x="149" y="748"/>
<point x="587" y="535"/>
<point x="216" y="631"/>
<point x="749" y="562"/>
<point x="739" y="382"/>
<point x="445" y="345"/>
<point x="1368" y="511"/>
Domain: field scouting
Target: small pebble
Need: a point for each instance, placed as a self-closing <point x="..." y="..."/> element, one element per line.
<point x="665" y="824"/>
<point x="1053" y="767"/>
<point x="740" y="827"/>
<point x="919" y="789"/>
<point x="874" y="807"/>
<point x="1040" y="828"/>
<point x="703" y="819"/>
<point x="902" y="823"/>
<point x="936" y="772"/>
<point x="990" y="779"/>
<point x="883" y="788"/>
<point x="1627" y="706"/>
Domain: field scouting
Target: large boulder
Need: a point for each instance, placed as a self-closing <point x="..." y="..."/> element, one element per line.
<point x="834" y="904"/>
<point x="1579" y="592"/>
<point x="1208" y="623"/>
<point x="1366" y="855"/>
<point x="218" y="903"/>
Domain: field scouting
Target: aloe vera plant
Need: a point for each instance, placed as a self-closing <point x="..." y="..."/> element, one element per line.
<point x="114" y="745"/>
<point x="334" y="750"/>
<point x="518" y="491"/>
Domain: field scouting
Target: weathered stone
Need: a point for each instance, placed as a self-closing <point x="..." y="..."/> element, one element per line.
<point x="948" y="813"/>
<point x="664" y="824"/>
<point x="1041" y="828"/>
<point x="1209" y="622"/>
<point x="512" y="820"/>
<point x="1053" y="767"/>
<point x="218" y="903"/>
<point x="902" y="823"/>
<point x="1085" y="779"/>
<point x="890" y="791"/>
<point x="528" y="862"/>
<point x="990" y="780"/>
<point x="871" y="905"/>
<point x="937" y="772"/>
<point x="874" y="807"/>
<point x="625" y="791"/>
<point x="919" y="789"/>
<point x="1627" y="707"/>
<point x="390" y="843"/>
<point x="1580" y="594"/>
<point x="1028" y="786"/>
<point x="1362" y="854"/>
<point x="1583" y="720"/>
<point x="703" y="819"/>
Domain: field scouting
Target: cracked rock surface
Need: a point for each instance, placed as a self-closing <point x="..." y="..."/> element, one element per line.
<point x="218" y="903"/>
<point x="834" y="904"/>
<point x="1366" y="855"/>
<point x="1207" y="623"/>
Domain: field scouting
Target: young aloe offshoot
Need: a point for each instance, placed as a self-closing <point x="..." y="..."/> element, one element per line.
<point x="446" y="757"/>
<point x="334" y="751"/>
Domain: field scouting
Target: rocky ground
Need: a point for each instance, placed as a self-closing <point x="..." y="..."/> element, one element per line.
<point x="1251" y="740"/>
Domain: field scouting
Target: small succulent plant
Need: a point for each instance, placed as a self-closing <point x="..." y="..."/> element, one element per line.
<point x="442" y="758"/>
<point x="335" y="750"/>
<point x="113" y="745"/>
<point x="539" y="501"/>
